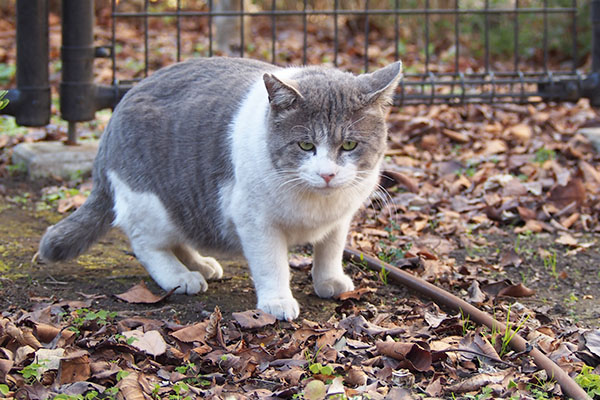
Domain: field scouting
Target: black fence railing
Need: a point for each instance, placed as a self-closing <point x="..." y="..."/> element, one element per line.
<point x="455" y="51"/>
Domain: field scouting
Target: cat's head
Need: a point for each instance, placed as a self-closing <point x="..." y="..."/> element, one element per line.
<point x="327" y="128"/>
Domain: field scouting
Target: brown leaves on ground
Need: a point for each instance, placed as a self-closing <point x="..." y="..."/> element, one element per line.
<point x="215" y="358"/>
<point x="141" y="294"/>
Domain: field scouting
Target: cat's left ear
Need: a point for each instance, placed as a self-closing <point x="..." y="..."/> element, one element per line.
<point x="379" y="86"/>
<point x="282" y="95"/>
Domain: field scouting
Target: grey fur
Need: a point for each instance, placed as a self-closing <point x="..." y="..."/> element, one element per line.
<point x="169" y="136"/>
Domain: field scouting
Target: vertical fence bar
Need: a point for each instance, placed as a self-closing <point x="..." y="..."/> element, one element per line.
<point x="486" y="35"/>
<point x="146" y="29"/>
<point x="273" y="30"/>
<point x="426" y="36"/>
<point x="595" y="16"/>
<point x="516" y="36"/>
<point x="30" y="102"/>
<point x="366" y="59"/>
<point x="113" y="42"/>
<point x="304" y="32"/>
<point x="574" y="33"/>
<point x="178" y="24"/>
<point x="336" y="47"/>
<point x="242" y="38"/>
<point x="545" y="38"/>
<point x="210" y="27"/>
<point x="456" y="37"/>
<point x="396" y="30"/>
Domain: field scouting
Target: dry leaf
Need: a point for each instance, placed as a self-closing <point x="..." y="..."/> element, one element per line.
<point x="130" y="388"/>
<point x="141" y="294"/>
<point x="573" y="191"/>
<point x="416" y="357"/>
<point x="253" y="319"/>
<point x="567" y="240"/>
<point x="356" y="294"/>
<point x="74" y="368"/>
<point x="150" y="342"/>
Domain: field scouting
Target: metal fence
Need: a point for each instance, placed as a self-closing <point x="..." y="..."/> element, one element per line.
<point x="489" y="51"/>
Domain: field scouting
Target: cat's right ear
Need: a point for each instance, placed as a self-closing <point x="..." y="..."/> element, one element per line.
<point x="282" y="95"/>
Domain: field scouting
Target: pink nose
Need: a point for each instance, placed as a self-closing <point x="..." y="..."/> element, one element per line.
<point x="327" y="177"/>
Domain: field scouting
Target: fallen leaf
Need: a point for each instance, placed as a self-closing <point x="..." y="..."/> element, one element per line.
<point x="567" y="240"/>
<point x="141" y="294"/>
<point x="74" y="368"/>
<point x="573" y="191"/>
<point x="150" y="342"/>
<point x="299" y="261"/>
<point x="356" y="294"/>
<point x="518" y="290"/>
<point x="253" y="319"/>
<point x="417" y="358"/>
<point x="130" y="388"/>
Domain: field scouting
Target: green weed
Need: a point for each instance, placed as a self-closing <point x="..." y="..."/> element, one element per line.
<point x="589" y="381"/>
<point x="543" y="154"/>
<point x="33" y="372"/>
<point x="510" y="333"/>
<point x="3" y="101"/>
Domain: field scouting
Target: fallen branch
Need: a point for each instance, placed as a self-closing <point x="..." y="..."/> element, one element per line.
<point x="442" y="297"/>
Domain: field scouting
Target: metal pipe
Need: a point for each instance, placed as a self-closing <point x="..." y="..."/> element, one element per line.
<point x="30" y="102"/>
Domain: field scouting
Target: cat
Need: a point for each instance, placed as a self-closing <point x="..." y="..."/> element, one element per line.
<point x="236" y="155"/>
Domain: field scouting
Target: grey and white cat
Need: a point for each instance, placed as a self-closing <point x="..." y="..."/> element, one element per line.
<point x="236" y="155"/>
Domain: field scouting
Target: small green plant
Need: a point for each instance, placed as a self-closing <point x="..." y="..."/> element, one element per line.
<point x="122" y="374"/>
<point x="543" y="154"/>
<point x="510" y="333"/>
<point x="550" y="263"/>
<point x="383" y="275"/>
<point x="467" y="324"/>
<point x="3" y="101"/>
<point x="183" y="369"/>
<point x="589" y="381"/>
<point x="486" y="393"/>
<point x="317" y="368"/>
<point x="91" y="395"/>
<point x="4" y="389"/>
<point x="180" y="388"/>
<point x="33" y="371"/>
<point x="83" y="315"/>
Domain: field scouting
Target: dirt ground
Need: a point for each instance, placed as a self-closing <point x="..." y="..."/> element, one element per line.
<point x="568" y="290"/>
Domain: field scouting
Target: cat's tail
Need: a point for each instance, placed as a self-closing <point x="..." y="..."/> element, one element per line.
<point x="76" y="233"/>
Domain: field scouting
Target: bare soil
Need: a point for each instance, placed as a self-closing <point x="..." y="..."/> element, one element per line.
<point x="567" y="291"/>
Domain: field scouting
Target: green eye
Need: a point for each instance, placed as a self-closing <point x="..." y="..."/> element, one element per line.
<point x="306" y="146"/>
<point x="349" y="145"/>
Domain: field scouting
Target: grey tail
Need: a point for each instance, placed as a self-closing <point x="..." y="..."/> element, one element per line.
<point x="76" y="233"/>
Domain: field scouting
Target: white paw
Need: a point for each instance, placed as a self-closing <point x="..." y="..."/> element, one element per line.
<point x="212" y="269"/>
<point x="333" y="286"/>
<point x="190" y="282"/>
<point x="283" y="308"/>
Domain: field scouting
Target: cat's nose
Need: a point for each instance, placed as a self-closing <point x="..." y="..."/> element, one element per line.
<point x="327" y="177"/>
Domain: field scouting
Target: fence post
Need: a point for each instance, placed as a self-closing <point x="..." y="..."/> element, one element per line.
<point x="29" y="103"/>
<point x="77" y="89"/>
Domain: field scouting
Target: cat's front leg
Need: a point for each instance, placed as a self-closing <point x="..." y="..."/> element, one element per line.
<point x="328" y="275"/>
<point x="266" y="251"/>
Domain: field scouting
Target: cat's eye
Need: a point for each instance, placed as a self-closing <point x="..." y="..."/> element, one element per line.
<point x="349" y="145"/>
<point x="306" y="146"/>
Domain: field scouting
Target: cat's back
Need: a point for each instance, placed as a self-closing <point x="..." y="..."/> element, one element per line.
<point x="169" y="136"/>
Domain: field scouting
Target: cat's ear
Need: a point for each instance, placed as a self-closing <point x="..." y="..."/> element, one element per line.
<point x="282" y="95"/>
<point x="379" y="86"/>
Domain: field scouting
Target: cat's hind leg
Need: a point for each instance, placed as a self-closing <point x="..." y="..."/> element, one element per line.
<point x="207" y="266"/>
<point x="144" y="219"/>
<point x="166" y="269"/>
